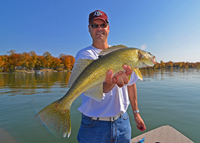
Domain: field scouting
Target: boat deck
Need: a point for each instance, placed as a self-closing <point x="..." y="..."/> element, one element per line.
<point x="163" y="134"/>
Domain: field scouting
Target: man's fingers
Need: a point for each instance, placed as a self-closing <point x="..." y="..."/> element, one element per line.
<point x="119" y="80"/>
<point x="125" y="78"/>
<point x="141" y="126"/>
<point x="109" y="76"/>
<point x="128" y="69"/>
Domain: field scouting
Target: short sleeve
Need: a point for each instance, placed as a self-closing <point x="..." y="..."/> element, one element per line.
<point x="133" y="79"/>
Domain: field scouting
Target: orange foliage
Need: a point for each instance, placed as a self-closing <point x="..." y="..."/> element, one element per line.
<point x="1" y="61"/>
<point x="25" y="59"/>
<point x="55" y="62"/>
<point x="170" y="64"/>
<point x="32" y="60"/>
<point x="67" y="60"/>
<point x="12" y="60"/>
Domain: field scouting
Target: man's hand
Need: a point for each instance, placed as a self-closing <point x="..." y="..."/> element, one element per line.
<point x="140" y="123"/>
<point x="120" y="78"/>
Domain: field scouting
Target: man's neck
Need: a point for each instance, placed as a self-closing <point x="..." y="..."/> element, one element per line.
<point x="101" y="46"/>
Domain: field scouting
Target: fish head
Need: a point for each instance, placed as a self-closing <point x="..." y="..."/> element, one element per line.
<point x="146" y="58"/>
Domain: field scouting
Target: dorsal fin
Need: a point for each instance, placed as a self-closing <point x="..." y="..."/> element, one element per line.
<point x="80" y="65"/>
<point x="111" y="49"/>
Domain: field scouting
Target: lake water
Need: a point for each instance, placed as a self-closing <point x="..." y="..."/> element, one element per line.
<point x="165" y="97"/>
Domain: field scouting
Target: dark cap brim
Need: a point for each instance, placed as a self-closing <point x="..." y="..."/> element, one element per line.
<point x="105" y="20"/>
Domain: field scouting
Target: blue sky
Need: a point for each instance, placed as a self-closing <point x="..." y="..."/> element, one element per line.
<point x="169" y="29"/>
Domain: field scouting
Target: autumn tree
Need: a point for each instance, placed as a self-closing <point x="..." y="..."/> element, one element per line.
<point x="5" y="63"/>
<point x="156" y="66"/>
<point x="180" y="64"/>
<point x="162" y="64"/>
<point x="67" y="63"/>
<point x="72" y="60"/>
<point x="13" y="60"/>
<point x="55" y="62"/>
<point x="25" y="59"/>
<point x="62" y="57"/>
<point x="198" y="64"/>
<point x="40" y="62"/>
<point x="1" y="61"/>
<point x="67" y="60"/>
<point x="33" y="59"/>
<point x="47" y="56"/>
<point x="169" y="64"/>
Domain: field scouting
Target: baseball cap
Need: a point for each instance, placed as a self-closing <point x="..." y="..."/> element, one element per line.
<point x="98" y="14"/>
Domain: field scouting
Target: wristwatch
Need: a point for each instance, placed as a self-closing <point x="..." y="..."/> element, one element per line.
<point x="137" y="111"/>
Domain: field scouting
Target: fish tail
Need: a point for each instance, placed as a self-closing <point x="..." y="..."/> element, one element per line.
<point x="57" y="116"/>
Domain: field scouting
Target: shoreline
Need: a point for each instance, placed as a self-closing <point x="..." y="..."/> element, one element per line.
<point x="36" y="71"/>
<point x="50" y="70"/>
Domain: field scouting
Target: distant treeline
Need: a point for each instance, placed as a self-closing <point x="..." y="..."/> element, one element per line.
<point x="31" y="60"/>
<point x="170" y="64"/>
<point x="28" y="61"/>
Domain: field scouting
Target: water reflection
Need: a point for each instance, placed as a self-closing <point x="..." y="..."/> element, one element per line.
<point x="162" y="74"/>
<point x="31" y="83"/>
<point x="28" y="83"/>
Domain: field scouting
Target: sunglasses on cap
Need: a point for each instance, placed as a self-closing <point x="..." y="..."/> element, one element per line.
<point x="97" y="25"/>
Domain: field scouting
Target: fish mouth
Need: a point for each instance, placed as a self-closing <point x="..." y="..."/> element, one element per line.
<point x="149" y="62"/>
<point x="146" y="59"/>
<point x="154" y="60"/>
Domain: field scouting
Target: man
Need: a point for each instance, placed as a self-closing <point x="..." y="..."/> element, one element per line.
<point x="107" y="121"/>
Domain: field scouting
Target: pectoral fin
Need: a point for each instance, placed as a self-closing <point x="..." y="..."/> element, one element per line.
<point x="80" y="65"/>
<point x="95" y="93"/>
<point x="138" y="73"/>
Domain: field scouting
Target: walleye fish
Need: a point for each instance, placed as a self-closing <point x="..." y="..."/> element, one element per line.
<point x="88" y="77"/>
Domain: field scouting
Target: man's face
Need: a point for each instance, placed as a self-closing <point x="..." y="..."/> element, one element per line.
<point x="99" y="34"/>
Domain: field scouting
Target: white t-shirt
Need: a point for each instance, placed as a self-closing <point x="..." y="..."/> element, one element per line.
<point x="114" y="102"/>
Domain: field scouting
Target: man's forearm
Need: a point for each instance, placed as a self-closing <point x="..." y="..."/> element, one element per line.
<point x="132" y="93"/>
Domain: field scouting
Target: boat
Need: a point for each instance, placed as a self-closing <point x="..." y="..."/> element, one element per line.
<point x="163" y="134"/>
